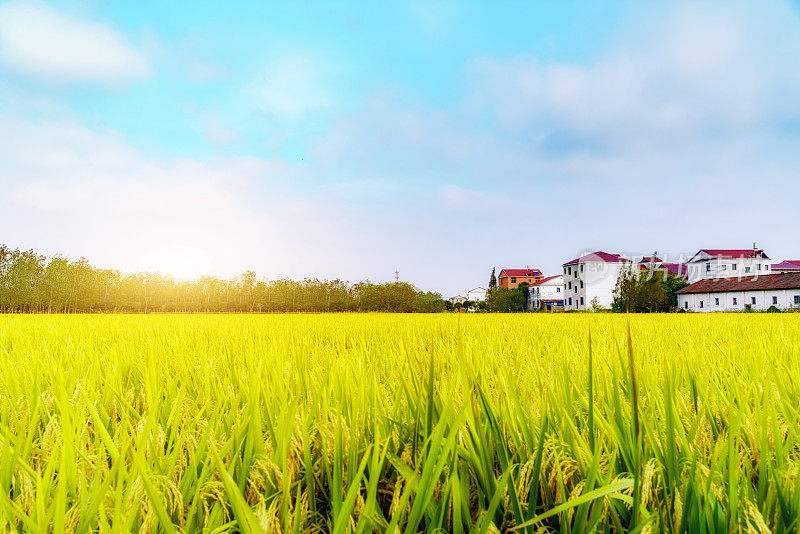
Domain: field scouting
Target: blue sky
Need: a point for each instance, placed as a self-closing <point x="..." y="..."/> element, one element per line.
<point x="438" y="138"/>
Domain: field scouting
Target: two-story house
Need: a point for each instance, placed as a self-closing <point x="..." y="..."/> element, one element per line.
<point x="512" y="278"/>
<point x="547" y="293"/>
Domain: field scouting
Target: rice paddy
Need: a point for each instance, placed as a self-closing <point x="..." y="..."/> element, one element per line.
<point x="400" y="423"/>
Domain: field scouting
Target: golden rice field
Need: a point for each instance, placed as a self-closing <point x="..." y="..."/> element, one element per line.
<point x="400" y="423"/>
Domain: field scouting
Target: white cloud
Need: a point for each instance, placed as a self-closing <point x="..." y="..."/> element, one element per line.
<point x="218" y="131"/>
<point x="70" y="189"/>
<point x="44" y="43"/>
<point x="291" y="86"/>
<point x="689" y="69"/>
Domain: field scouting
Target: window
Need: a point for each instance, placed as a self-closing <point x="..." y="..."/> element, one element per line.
<point x="708" y="267"/>
<point x="734" y="301"/>
<point x="766" y="267"/>
<point x="774" y="300"/>
<point x="797" y="299"/>
<point x="759" y="266"/>
<point x="716" y="302"/>
<point x="581" y="301"/>
<point x="558" y="290"/>
<point x="569" y="285"/>
<point x="753" y="301"/>
<point x="513" y="280"/>
<point x="686" y="304"/>
<point x="570" y="301"/>
<point x="733" y="266"/>
<point x="724" y="267"/>
<point x="581" y="284"/>
<point x="569" y="270"/>
<point x="701" y="303"/>
<point x="747" y="269"/>
<point x="581" y="268"/>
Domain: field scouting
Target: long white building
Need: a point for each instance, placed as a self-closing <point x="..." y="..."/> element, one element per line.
<point x="728" y="263"/>
<point x="738" y="294"/>
<point x="591" y="276"/>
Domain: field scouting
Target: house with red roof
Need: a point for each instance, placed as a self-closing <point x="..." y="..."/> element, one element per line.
<point x="512" y="278"/>
<point x="728" y="263"/>
<point x="786" y="266"/>
<point x="547" y="294"/>
<point x="592" y="278"/>
<point x="742" y="293"/>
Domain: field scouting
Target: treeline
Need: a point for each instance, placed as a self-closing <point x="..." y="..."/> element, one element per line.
<point x="33" y="283"/>
<point x="646" y="291"/>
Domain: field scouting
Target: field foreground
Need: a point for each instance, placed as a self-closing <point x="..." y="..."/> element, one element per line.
<point x="401" y="423"/>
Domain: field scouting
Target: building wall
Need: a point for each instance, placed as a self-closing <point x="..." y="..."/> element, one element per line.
<point x="785" y="300"/>
<point x="550" y="290"/>
<point x="704" y="269"/>
<point x="599" y="279"/>
<point x="476" y="295"/>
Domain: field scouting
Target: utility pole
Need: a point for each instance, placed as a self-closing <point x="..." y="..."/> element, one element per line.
<point x="396" y="276"/>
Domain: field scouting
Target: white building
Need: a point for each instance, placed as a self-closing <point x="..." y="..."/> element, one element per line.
<point x="592" y="276"/>
<point x="739" y="294"/>
<point x="458" y="299"/>
<point x="547" y="293"/>
<point x="477" y="294"/>
<point x="727" y="263"/>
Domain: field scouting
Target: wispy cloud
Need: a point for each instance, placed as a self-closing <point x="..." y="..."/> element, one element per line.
<point x="291" y="86"/>
<point x="693" y="69"/>
<point x="44" y="43"/>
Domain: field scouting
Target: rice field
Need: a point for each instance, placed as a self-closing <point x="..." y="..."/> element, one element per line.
<point x="400" y="423"/>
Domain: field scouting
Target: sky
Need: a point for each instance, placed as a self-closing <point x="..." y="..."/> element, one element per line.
<point x="440" y="139"/>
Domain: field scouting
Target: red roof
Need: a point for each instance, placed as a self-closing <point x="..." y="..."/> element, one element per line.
<point x="760" y="283"/>
<point x="678" y="269"/>
<point x="520" y="272"/>
<point x="786" y="265"/>
<point x="543" y="280"/>
<point x="648" y="259"/>
<point x="735" y="253"/>
<point x="599" y="256"/>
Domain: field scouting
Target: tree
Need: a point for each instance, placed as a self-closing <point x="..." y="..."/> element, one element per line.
<point x="646" y="291"/>
<point x="31" y="282"/>
<point x="492" y="281"/>
<point x="506" y="300"/>
<point x="672" y="285"/>
<point x="625" y="292"/>
<point x="523" y="288"/>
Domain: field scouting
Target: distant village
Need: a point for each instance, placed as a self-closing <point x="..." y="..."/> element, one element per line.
<point x="712" y="280"/>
